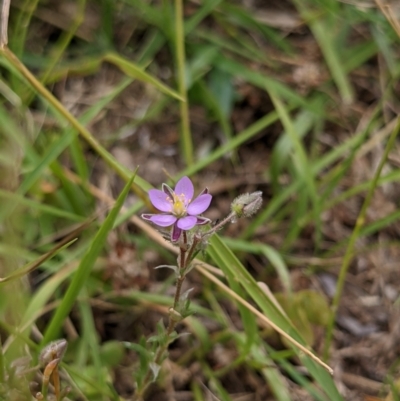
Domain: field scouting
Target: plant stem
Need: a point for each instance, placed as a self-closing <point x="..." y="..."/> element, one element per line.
<point x="183" y="265"/>
<point x="192" y="249"/>
<point x="220" y="224"/>
<point x="186" y="138"/>
<point x="182" y="253"/>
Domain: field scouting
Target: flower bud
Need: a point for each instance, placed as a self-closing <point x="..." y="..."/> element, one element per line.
<point x="247" y="204"/>
<point x="55" y="349"/>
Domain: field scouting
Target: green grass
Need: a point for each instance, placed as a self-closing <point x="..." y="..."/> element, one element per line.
<point x="211" y="83"/>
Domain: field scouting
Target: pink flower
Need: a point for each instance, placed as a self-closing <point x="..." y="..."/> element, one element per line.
<point x="180" y="211"/>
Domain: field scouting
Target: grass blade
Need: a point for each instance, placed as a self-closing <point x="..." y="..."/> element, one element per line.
<point x="348" y="257"/>
<point x="133" y="71"/>
<point x="322" y="31"/>
<point x="230" y="265"/>
<point x="84" y="268"/>
<point x="186" y="138"/>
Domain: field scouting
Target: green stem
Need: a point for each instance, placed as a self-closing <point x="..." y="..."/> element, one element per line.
<point x="22" y="24"/>
<point x="186" y="138"/>
<point x="171" y="322"/>
<point x="218" y="226"/>
<point x="192" y="250"/>
<point x="348" y="257"/>
<point x="182" y="253"/>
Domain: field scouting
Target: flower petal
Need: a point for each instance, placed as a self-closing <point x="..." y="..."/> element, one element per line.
<point x="175" y="233"/>
<point x="199" y="205"/>
<point x="160" y="200"/>
<point x="185" y="187"/>
<point x="202" y="220"/>
<point x="163" y="220"/>
<point x="186" y="223"/>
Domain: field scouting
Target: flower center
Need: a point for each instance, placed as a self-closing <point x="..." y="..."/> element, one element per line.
<point x="179" y="205"/>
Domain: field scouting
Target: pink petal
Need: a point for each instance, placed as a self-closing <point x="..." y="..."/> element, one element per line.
<point x="160" y="200"/>
<point x="186" y="223"/>
<point x="184" y="186"/>
<point x="163" y="220"/>
<point x="200" y="204"/>
<point x="175" y="233"/>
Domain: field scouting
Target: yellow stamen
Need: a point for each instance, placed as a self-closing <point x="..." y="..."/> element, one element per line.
<point x="179" y="205"/>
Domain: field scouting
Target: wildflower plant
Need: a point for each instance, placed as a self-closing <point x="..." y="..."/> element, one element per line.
<point x="182" y="216"/>
<point x="180" y="211"/>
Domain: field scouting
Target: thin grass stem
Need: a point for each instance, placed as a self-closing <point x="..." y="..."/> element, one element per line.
<point x="22" y="25"/>
<point x="348" y="257"/>
<point x="186" y="138"/>
<point x="62" y="44"/>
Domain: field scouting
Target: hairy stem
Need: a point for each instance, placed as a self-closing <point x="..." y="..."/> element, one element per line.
<point x="218" y="226"/>
<point x="183" y="265"/>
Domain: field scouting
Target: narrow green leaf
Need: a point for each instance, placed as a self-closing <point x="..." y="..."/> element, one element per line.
<point x="186" y="140"/>
<point x="262" y="81"/>
<point x="303" y="167"/>
<point x="134" y="71"/>
<point x="269" y="252"/>
<point x="272" y="375"/>
<point x="323" y="32"/>
<point x="239" y="139"/>
<point x="31" y="266"/>
<point x="40" y="207"/>
<point x="84" y="268"/>
<point x="231" y="266"/>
